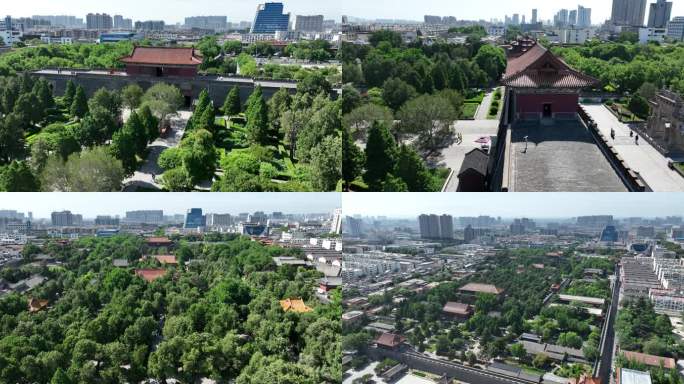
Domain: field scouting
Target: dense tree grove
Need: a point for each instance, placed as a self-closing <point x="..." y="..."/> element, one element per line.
<point x="415" y="91"/>
<point x="526" y="277"/>
<point x="292" y="142"/>
<point x="625" y="67"/>
<point x="217" y="317"/>
<point x="296" y="138"/>
<point x="72" y="143"/>
<point x="639" y="328"/>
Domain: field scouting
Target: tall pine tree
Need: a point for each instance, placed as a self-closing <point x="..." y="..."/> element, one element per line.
<point x="352" y="159"/>
<point x="412" y="170"/>
<point x="232" y="105"/>
<point x="257" y="117"/>
<point x="69" y="94"/>
<point x="381" y="154"/>
<point x="79" y="107"/>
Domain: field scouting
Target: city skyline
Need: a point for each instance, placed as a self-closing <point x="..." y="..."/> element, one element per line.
<point x="92" y="204"/>
<point x="482" y="10"/>
<point x="506" y="205"/>
<point x="173" y="11"/>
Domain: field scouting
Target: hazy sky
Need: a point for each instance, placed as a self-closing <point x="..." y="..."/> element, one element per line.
<point x="92" y="204"/>
<point x="541" y="205"/>
<point x="175" y="10"/>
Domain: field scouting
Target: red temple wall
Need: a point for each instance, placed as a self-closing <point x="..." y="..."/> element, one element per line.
<point x="133" y="69"/>
<point x="534" y="103"/>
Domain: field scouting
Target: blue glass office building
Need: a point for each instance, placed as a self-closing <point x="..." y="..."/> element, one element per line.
<point x="270" y="18"/>
<point x="609" y="234"/>
<point x="194" y="219"/>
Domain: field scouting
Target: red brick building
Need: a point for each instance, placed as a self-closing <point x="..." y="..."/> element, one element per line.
<point x="541" y="85"/>
<point x="162" y="61"/>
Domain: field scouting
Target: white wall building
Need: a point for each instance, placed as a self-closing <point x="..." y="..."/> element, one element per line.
<point x="10" y="37"/>
<point x="647" y="35"/>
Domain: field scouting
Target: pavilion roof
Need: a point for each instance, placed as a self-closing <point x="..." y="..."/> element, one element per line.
<point x="390" y="340"/>
<point x="481" y="288"/>
<point x="166" y="259"/>
<point x="150" y="274"/>
<point x="537" y="67"/>
<point x="295" y="305"/>
<point x="163" y="56"/>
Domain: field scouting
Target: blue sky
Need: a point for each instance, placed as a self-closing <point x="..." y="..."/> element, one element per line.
<point x="92" y="204"/>
<point x="541" y="205"/>
<point x="237" y="10"/>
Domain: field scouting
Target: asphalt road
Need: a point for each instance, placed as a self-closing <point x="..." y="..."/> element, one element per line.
<point x="439" y="367"/>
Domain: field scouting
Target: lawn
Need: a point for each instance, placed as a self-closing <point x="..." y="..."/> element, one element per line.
<point x="680" y="166"/>
<point x="477" y="98"/>
<point x="469" y="111"/>
<point x="623" y="113"/>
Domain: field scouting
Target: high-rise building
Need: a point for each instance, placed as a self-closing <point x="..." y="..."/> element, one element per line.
<point x="354" y="226"/>
<point x="257" y="217"/>
<point x="628" y="12"/>
<point x="572" y="17"/>
<point x="194" y="219"/>
<point x="517" y="227"/>
<point x="561" y="18"/>
<point x="309" y="23"/>
<point x="516" y="19"/>
<point x="469" y="234"/>
<point x="216" y="220"/>
<point x="270" y="18"/>
<point x="436" y="227"/>
<point x="446" y="227"/>
<point x="121" y="23"/>
<point x="336" y="225"/>
<point x="609" y="234"/>
<point x="107" y="220"/>
<point x="534" y="16"/>
<point x="599" y="221"/>
<point x="150" y="25"/>
<point x="100" y="22"/>
<point x="675" y="28"/>
<point x="429" y="19"/>
<point x="61" y="20"/>
<point x="429" y="226"/>
<point x="583" y="17"/>
<point x="214" y="23"/>
<point x="62" y="219"/>
<point x="659" y="15"/>
<point x="11" y="214"/>
<point x="145" y="217"/>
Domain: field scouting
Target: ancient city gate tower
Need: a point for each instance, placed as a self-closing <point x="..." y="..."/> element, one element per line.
<point x="160" y="62"/>
<point x="541" y="85"/>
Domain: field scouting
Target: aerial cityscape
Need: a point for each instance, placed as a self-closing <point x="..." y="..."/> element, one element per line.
<point x="512" y="289"/>
<point x="571" y="99"/>
<point x="203" y="105"/>
<point x="154" y="295"/>
<point x="357" y="192"/>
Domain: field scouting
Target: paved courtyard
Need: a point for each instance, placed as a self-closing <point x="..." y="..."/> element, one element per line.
<point x="472" y="130"/>
<point x="452" y="156"/>
<point x="561" y="157"/>
<point x="146" y="176"/>
<point x="643" y="158"/>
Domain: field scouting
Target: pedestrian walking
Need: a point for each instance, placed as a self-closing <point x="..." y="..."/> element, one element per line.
<point x="526" y="143"/>
<point x="636" y="140"/>
<point x="612" y="133"/>
<point x="631" y="133"/>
